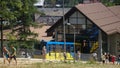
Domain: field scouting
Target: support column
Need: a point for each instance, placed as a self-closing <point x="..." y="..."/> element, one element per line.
<point x="56" y="35"/>
<point x="108" y="42"/>
<point x="116" y="49"/>
<point x="100" y="45"/>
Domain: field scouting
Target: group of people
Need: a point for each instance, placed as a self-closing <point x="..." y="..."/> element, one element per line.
<point x="77" y="56"/>
<point x="7" y="55"/>
<point x="106" y="58"/>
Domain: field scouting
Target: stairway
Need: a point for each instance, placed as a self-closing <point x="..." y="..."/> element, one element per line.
<point x="94" y="47"/>
<point x="58" y="56"/>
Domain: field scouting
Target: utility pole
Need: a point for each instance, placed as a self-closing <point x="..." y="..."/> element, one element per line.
<point x="74" y="39"/>
<point x="64" y="29"/>
<point x="1" y="25"/>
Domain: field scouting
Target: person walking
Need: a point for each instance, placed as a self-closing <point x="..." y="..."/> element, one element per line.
<point x="13" y="54"/>
<point x="6" y="55"/>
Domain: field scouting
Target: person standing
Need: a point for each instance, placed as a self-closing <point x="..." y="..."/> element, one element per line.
<point x="110" y="56"/>
<point x="6" y="55"/>
<point x="113" y="59"/>
<point x="103" y="58"/>
<point x="107" y="58"/>
<point x="65" y="56"/>
<point x="94" y="56"/>
<point x="78" y="55"/>
<point x="44" y="53"/>
<point x="13" y="54"/>
<point x="118" y="59"/>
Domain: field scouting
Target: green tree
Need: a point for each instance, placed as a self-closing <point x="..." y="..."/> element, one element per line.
<point x="24" y="21"/>
<point x="5" y="11"/>
<point x="6" y="14"/>
<point x="108" y="2"/>
<point x="117" y="2"/>
<point x="20" y="15"/>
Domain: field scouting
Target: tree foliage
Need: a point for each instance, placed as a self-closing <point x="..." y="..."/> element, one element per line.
<point x="117" y="2"/>
<point x="20" y="15"/>
<point x="110" y="2"/>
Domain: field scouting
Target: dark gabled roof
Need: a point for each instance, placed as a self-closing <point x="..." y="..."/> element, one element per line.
<point x="105" y="18"/>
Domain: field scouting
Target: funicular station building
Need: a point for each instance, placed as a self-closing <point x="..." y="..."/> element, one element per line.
<point x="97" y="28"/>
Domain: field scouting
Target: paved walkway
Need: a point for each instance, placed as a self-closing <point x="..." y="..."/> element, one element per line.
<point x="23" y="61"/>
<point x="28" y="61"/>
<point x="31" y="60"/>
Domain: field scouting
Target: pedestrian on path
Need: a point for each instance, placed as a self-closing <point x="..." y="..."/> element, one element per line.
<point x="6" y="55"/>
<point x="65" y="56"/>
<point x="94" y="56"/>
<point x="78" y="55"/>
<point x="13" y="54"/>
<point x="118" y="59"/>
<point x="113" y="59"/>
<point x="103" y="58"/>
<point x="107" y="58"/>
<point x="44" y="53"/>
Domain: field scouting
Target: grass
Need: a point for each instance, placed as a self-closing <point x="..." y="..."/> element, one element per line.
<point x="74" y="65"/>
<point x="61" y="65"/>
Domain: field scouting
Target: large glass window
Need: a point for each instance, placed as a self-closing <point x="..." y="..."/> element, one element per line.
<point x="60" y="37"/>
<point x="84" y="30"/>
<point x="60" y="29"/>
<point x="77" y="20"/>
<point x="89" y="25"/>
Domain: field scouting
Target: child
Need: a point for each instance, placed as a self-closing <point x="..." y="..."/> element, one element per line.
<point x="113" y="59"/>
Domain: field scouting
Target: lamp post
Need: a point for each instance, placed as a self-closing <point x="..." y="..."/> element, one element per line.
<point x="64" y="29"/>
<point x="1" y="25"/>
<point x="74" y="39"/>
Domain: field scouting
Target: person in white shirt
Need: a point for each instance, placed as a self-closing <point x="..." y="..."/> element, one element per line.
<point x="95" y="56"/>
